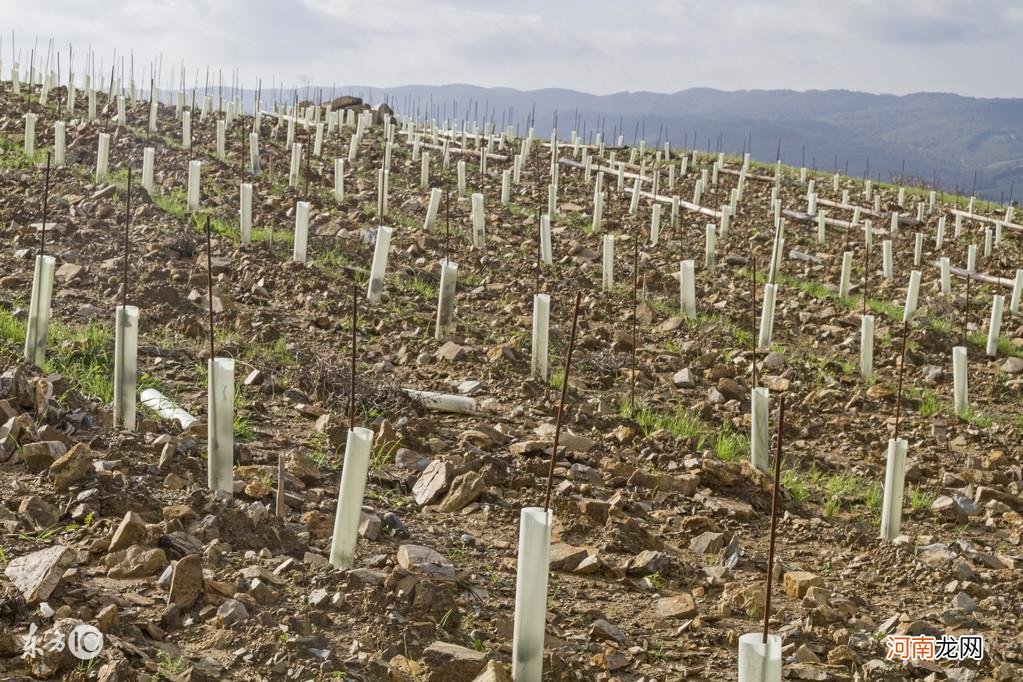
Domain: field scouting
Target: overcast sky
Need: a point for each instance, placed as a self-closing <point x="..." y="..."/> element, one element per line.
<point x="971" y="47"/>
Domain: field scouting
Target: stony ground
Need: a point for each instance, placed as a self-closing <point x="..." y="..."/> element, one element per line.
<point x="659" y="553"/>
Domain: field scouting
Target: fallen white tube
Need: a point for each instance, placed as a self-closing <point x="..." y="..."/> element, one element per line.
<point x="443" y="402"/>
<point x="349" y="498"/>
<point x="532" y="572"/>
<point x="163" y="406"/>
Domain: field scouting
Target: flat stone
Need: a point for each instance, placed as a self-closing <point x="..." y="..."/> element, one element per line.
<point x="40" y="456"/>
<point x="494" y="672"/>
<point x="451" y="352"/>
<point x="131" y="531"/>
<point x="433" y="482"/>
<point x="1012" y="365"/>
<point x="71" y="467"/>
<point x="37" y="574"/>
<point x="707" y="543"/>
<point x="679" y="606"/>
<point x="796" y="583"/>
<point x="139" y="563"/>
<point x="602" y="630"/>
<point x="232" y="611"/>
<point x="565" y="557"/>
<point x="425" y="560"/>
<point x="186" y="581"/>
<point x="648" y="562"/>
<point x="454" y="663"/>
<point x="464" y="489"/>
<point x="38" y="512"/>
<point x="684" y="378"/>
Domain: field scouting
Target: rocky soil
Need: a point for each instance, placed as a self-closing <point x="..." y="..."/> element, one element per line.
<point x="659" y="552"/>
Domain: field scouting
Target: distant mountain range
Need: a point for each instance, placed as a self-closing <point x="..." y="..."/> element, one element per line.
<point x="940" y="135"/>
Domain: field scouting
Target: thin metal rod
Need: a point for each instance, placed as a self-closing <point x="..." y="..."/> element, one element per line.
<point x="209" y="283"/>
<point x="561" y="405"/>
<point x="46" y="201"/>
<point x="355" y="319"/>
<point x="635" y="285"/>
<point x="902" y="370"/>
<point x="753" y="318"/>
<point x="127" y="225"/>
<point x="774" y="515"/>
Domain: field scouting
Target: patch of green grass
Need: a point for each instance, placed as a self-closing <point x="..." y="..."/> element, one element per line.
<point x="874" y="500"/>
<point x="556" y="378"/>
<point x="920" y="500"/>
<point x="83" y="355"/>
<point x="242" y="426"/>
<point x="12" y="329"/>
<point x="885" y="308"/>
<point x="681" y="424"/>
<point x="383" y="455"/>
<point x="978" y="418"/>
<point x="426" y="289"/>
<point x="662" y="306"/>
<point x="170" y="666"/>
<point x="929" y="405"/>
<point x="12" y="150"/>
<point x="319" y="450"/>
<point x="175" y="203"/>
<point x="730" y="446"/>
<point x="797" y="486"/>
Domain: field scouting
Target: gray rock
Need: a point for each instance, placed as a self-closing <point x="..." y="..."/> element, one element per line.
<point x="38" y="573"/>
<point x="603" y="630"/>
<point x="186" y="581"/>
<point x="433" y="482"/>
<point x="684" y="378"/>
<point x="425" y="560"/>
<point x="131" y="531"/>
<point x="232" y="611"/>
<point x="707" y="543"/>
